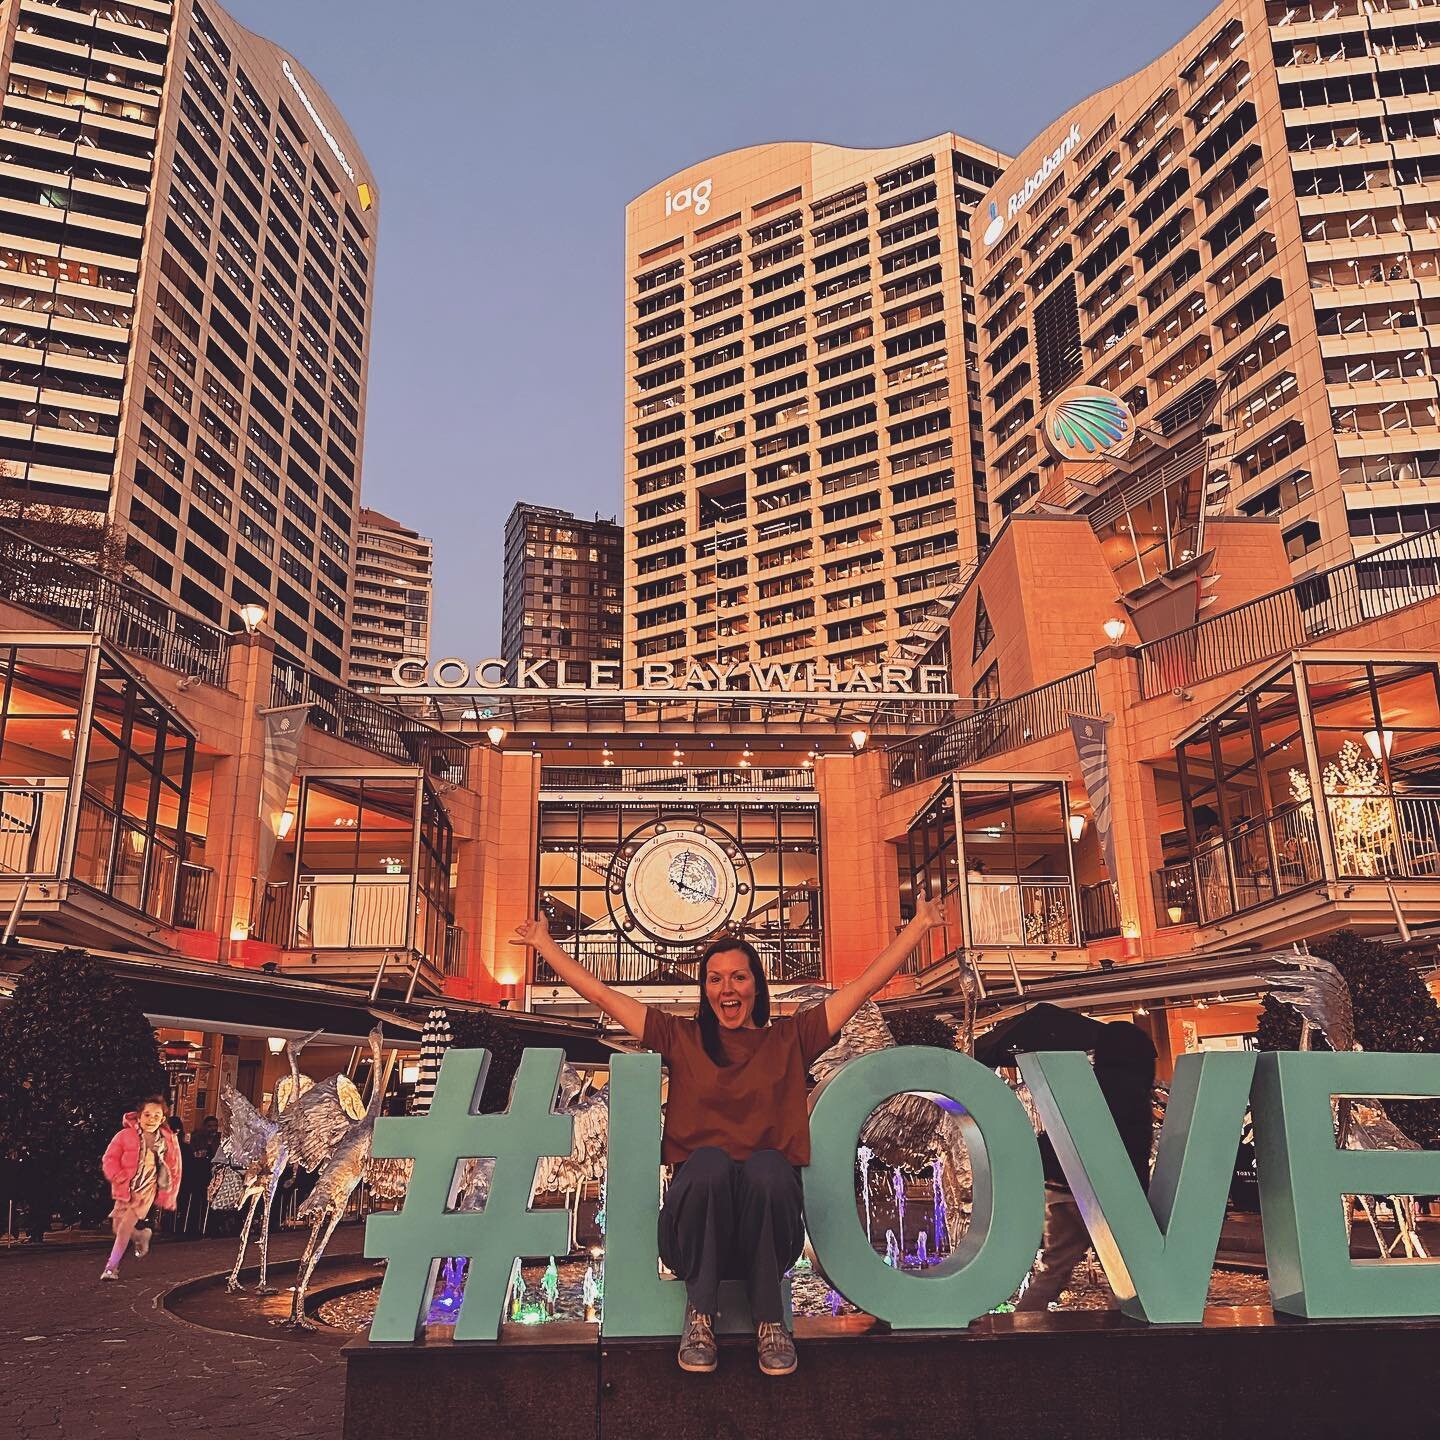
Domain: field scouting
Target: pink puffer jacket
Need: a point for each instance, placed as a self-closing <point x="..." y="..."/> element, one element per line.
<point x="122" y="1159"/>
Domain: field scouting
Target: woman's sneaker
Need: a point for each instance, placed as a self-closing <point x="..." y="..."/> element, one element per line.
<point x="109" y="1274"/>
<point x="775" y="1348"/>
<point x="697" y="1352"/>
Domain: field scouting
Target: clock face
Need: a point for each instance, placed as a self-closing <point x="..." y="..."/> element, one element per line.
<point x="679" y="881"/>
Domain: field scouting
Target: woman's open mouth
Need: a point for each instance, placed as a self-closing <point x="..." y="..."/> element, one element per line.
<point x="730" y="1009"/>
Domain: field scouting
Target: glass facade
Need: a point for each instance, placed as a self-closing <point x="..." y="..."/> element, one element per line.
<point x="586" y="849"/>
<point x="1012" y="847"/>
<point x="74" y="720"/>
<point x="1327" y="770"/>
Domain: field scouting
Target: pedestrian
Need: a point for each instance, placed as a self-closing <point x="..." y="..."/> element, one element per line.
<point x="199" y="1157"/>
<point x="1124" y="1059"/>
<point x="737" y="1123"/>
<point x="142" y="1164"/>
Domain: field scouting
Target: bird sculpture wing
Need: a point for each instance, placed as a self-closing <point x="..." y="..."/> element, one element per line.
<point x="248" y="1131"/>
<point x="1317" y="990"/>
<point x="865" y="1031"/>
<point x="590" y="1118"/>
<point x="318" y="1122"/>
<point x="1371" y="1128"/>
<point x="340" y="1172"/>
<point x="388" y="1178"/>
<point x="285" y="1092"/>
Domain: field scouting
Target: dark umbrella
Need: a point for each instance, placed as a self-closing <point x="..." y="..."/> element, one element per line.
<point x="1041" y="1027"/>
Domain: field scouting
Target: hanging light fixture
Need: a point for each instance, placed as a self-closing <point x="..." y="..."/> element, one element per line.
<point x="285" y="825"/>
<point x="276" y="1043"/>
<point x="1380" y="742"/>
<point x="1077" y="826"/>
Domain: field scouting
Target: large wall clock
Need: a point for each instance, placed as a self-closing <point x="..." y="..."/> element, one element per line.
<point x="679" y="881"/>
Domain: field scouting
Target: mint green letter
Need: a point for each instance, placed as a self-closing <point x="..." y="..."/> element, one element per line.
<point x="1303" y="1174"/>
<point x="637" y="1300"/>
<point x="425" y="1229"/>
<point x="1158" y="1252"/>
<point x="1008" y="1209"/>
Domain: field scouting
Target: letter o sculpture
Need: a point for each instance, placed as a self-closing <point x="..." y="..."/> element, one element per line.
<point x="1009" y="1205"/>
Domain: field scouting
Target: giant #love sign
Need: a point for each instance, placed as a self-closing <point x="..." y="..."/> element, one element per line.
<point x="1158" y="1248"/>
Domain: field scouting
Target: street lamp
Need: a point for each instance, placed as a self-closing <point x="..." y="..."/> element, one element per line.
<point x="1114" y="630"/>
<point x="1077" y="827"/>
<point x="858" y="738"/>
<point x="495" y="734"/>
<point x="253" y="617"/>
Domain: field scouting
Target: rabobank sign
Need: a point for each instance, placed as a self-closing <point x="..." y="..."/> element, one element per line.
<point x="1032" y="187"/>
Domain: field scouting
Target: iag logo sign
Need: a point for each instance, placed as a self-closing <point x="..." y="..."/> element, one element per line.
<point x="1032" y="187"/>
<point x="693" y="197"/>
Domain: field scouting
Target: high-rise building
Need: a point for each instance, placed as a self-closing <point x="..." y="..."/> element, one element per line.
<point x="562" y="586"/>
<point x="802" y="457"/>
<point x="394" y="588"/>
<point x="1243" y="239"/>
<point x="188" y="245"/>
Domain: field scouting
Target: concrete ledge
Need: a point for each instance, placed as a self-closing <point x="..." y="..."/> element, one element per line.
<point x="1082" y="1376"/>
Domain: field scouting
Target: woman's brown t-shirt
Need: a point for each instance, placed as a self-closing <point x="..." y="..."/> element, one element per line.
<point x="756" y="1102"/>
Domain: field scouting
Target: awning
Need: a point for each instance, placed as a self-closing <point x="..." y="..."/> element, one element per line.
<point x="183" y="994"/>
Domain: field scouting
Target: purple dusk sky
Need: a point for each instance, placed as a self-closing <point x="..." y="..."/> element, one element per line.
<point x="507" y="141"/>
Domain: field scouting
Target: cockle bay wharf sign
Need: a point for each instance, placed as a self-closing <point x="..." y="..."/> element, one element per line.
<point x="1157" y="1247"/>
<point x="664" y="679"/>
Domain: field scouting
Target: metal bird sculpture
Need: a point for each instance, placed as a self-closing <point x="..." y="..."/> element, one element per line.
<point x="257" y="1145"/>
<point x="1318" y="992"/>
<point x="589" y="1111"/>
<point x="339" y="1148"/>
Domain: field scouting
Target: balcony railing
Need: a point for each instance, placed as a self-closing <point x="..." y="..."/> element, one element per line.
<point x="455" y="950"/>
<point x="362" y="721"/>
<point x="1099" y="911"/>
<point x="1005" y="725"/>
<point x="32" y="819"/>
<point x="191" y="894"/>
<point x="78" y="597"/>
<point x="1175" y="894"/>
<point x="1337" y="599"/>
<point x="675" y="778"/>
<point x="1021" y="910"/>
<point x="119" y="859"/>
<point x="788" y="960"/>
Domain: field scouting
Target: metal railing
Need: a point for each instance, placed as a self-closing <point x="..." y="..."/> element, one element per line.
<point x="787" y="959"/>
<point x="1175" y="894"/>
<point x="675" y="778"/>
<point x="32" y="819"/>
<point x="1333" y="600"/>
<point x="1005" y="725"/>
<point x="118" y="858"/>
<point x="362" y="721"/>
<point x="191" y="893"/>
<point x="1020" y="910"/>
<point x="456" y="948"/>
<point x="1099" y="911"/>
<point x="78" y="597"/>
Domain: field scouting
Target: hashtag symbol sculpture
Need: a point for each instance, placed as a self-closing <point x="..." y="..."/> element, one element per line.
<point x="427" y="1229"/>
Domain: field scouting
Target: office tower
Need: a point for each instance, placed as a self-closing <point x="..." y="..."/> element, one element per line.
<point x="1244" y="234"/>
<point x="394" y="586"/>
<point x="802" y="459"/>
<point x="562" y="586"/>
<point x="188" y="247"/>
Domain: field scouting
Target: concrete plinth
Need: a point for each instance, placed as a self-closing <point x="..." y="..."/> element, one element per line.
<point x="1061" y="1377"/>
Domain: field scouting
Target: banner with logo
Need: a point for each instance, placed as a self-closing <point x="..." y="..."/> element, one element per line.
<point x="1092" y="744"/>
<point x="283" y="728"/>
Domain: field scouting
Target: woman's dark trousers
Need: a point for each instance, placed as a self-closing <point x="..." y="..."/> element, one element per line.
<point x="726" y="1219"/>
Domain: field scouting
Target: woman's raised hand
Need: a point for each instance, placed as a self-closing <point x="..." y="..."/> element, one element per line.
<point x="932" y="911"/>
<point x="532" y="933"/>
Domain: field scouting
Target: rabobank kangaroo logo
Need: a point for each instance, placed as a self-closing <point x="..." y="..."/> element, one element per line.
<point x="693" y="197"/>
<point x="995" y="228"/>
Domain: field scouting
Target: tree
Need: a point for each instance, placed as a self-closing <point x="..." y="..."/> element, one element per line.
<point x="76" y="1053"/>
<point x="919" y="1027"/>
<point x="484" y="1030"/>
<point x="1394" y="1012"/>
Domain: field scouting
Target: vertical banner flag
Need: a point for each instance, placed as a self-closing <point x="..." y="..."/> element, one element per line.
<point x="283" y="728"/>
<point x="1092" y="744"/>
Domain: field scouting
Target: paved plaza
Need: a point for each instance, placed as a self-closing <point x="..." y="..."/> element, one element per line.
<point x="88" y="1361"/>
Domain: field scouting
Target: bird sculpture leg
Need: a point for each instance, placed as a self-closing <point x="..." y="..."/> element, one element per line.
<point x="311" y="1241"/>
<point x="251" y="1205"/>
<point x="268" y="1202"/>
<point x="320" y="1238"/>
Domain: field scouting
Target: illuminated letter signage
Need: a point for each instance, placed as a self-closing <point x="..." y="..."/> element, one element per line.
<point x="314" y="114"/>
<point x="693" y="197"/>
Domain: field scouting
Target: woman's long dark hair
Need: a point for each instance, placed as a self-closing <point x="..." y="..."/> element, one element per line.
<point x="709" y="1020"/>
